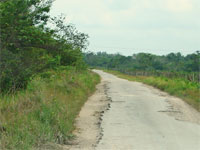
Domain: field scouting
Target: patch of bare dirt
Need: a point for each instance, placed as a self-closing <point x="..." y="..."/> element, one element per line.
<point x="88" y="131"/>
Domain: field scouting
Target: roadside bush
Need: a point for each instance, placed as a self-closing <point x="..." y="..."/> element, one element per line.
<point x="29" y="46"/>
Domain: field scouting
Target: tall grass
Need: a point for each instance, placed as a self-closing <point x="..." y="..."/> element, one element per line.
<point x="46" y="110"/>
<point x="188" y="91"/>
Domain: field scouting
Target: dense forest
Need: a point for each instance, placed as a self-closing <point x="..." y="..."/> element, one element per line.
<point x="172" y="64"/>
<point x="32" y="42"/>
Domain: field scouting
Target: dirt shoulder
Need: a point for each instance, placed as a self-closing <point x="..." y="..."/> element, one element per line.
<point x="88" y="131"/>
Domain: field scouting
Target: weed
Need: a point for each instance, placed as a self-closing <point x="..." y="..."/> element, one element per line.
<point x="46" y="111"/>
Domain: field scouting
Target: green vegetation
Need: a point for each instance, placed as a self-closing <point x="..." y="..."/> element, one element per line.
<point x="188" y="91"/>
<point x="173" y="65"/>
<point x="28" y="45"/>
<point x="46" y="110"/>
<point x="174" y="73"/>
<point x="43" y="79"/>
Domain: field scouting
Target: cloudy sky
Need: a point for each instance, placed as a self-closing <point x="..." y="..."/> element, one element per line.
<point x="132" y="26"/>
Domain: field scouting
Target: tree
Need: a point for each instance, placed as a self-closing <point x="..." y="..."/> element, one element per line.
<point x="29" y="46"/>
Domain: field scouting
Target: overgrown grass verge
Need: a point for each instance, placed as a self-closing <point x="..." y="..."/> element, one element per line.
<point x="188" y="91"/>
<point x="46" y="111"/>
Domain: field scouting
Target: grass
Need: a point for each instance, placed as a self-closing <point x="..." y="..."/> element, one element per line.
<point x="46" y="110"/>
<point x="188" y="91"/>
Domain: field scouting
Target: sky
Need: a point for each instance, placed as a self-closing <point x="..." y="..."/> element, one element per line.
<point x="132" y="26"/>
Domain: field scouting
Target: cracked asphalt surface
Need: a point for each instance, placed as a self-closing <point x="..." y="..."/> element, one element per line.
<point x="143" y="118"/>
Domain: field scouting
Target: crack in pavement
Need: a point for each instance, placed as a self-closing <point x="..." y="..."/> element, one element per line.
<point x="107" y="108"/>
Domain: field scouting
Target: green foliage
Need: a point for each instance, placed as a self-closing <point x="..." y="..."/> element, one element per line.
<point x="144" y="64"/>
<point x="47" y="63"/>
<point x="173" y="62"/>
<point x="29" y="46"/>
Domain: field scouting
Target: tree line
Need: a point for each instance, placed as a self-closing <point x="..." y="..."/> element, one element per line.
<point x="31" y="42"/>
<point x="170" y="65"/>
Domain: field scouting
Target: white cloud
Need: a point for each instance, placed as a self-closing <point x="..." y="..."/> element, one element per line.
<point x="179" y="5"/>
<point x="149" y="24"/>
<point x="88" y="12"/>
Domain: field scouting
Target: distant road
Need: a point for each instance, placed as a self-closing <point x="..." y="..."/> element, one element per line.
<point x="143" y="118"/>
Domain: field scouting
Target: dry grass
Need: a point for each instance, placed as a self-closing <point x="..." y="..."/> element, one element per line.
<point x="46" y="111"/>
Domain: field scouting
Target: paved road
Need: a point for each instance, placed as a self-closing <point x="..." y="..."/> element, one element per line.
<point x="137" y="120"/>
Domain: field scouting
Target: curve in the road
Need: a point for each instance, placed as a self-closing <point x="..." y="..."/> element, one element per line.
<point x="135" y="120"/>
